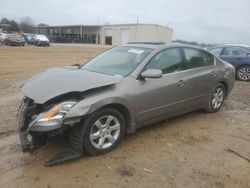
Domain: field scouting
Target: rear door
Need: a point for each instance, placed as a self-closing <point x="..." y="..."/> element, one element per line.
<point x="201" y="74"/>
<point x="234" y="55"/>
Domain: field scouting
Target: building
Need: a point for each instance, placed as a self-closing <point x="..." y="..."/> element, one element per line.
<point x="107" y="34"/>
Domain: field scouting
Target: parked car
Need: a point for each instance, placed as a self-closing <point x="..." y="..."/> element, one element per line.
<point x="2" y="37"/>
<point x="14" y="40"/>
<point x="29" y="38"/>
<point x="41" y="40"/>
<point x="238" y="56"/>
<point x="118" y="91"/>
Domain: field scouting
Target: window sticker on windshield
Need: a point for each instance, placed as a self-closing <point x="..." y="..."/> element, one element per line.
<point x="135" y="51"/>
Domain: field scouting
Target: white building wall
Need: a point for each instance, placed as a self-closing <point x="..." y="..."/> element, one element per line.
<point x="152" y="33"/>
<point x="121" y="34"/>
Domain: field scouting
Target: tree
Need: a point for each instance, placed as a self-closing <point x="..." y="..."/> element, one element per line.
<point x="26" y="24"/>
<point x="42" y="25"/>
<point x="5" y="21"/>
<point x="14" y="26"/>
<point x="11" y="25"/>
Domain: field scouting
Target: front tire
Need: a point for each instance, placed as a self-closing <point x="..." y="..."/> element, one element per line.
<point x="101" y="132"/>
<point x="216" y="98"/>
<point x="243" y="73"/>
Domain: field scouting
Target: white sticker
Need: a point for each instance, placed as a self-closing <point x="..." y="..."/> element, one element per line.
<point x="135" y="51"/>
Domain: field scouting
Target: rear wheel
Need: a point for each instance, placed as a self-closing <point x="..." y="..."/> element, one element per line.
<point x="243" y="73"/>
<point x="216" y="98"/>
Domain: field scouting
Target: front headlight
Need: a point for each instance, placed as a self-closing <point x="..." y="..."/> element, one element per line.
<point x="55" y="114"/>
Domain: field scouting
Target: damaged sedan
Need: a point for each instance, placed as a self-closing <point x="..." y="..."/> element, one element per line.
<point x="117" y="92"/>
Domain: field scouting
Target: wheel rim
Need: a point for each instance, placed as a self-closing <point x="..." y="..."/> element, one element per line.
<point x="217" y="98"/>
<point x="244" y="73"/>
<point x="105" y="132"/>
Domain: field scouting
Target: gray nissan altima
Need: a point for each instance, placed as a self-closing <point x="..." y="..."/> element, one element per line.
<point x="117" y="92"/>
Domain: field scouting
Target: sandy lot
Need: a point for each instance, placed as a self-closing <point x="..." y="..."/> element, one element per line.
<point x="194" y="150"/>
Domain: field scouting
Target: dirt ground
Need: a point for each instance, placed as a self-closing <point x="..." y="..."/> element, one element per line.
<point x="194" y="150"/>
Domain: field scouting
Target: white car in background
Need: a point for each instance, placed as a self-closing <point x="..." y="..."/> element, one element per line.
<point x="2" y="37"/>
<point x="41" y="40"/>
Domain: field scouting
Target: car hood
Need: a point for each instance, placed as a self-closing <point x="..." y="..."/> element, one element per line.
<point x="58" y="81"/>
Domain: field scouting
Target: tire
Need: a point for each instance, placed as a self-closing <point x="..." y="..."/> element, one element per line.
<point x="99" y="133"/>
<point x="243" y="73"/>
<point x="216" y="98"/>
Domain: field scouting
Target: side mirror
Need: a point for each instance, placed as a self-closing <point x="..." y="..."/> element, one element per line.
<point x="151" y="73"/>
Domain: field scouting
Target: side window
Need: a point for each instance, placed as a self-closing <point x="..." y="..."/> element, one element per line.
<point x="168" y="61"/>
<point x="215" y="51"/>
<point x="197" y="58"/>
<point x="231" y="51"/>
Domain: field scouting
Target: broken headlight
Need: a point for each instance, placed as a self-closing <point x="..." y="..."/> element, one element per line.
<point x="55" y="115"/>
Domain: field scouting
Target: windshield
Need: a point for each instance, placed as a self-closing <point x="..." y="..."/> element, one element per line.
<point x="117" y="61"/>
<point x="41" y="37"/>
<point x="247" y="49"/>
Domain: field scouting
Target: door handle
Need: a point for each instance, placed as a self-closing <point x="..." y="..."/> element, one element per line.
<point x="213" y="74"/>
<point x="181" y="83"/>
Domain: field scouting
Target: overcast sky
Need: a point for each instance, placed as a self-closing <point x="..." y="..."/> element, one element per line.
<point x="213" y="21"/>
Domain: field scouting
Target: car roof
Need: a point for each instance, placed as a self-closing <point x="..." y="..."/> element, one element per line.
<point x="158" y="45"/>
<point x="239" y="45"/>
<point x="39" y="35"/>
<point x="242" y="46"/>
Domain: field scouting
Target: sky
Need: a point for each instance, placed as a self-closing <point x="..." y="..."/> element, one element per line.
<point x="209" y="21"/>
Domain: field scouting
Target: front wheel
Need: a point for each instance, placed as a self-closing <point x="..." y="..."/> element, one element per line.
<point x="216" y="98"/>
<point x="101" y="131"/>
<point x="243" y="73"/>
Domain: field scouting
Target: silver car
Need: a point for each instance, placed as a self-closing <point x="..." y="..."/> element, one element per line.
<point x="119" y="91"/>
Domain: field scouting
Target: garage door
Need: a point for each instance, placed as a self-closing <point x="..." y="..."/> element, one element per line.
<point x="125" y="35"/>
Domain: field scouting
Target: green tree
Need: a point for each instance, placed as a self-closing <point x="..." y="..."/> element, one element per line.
<point x="14" y="26"/>
<point x="5" y="21"/>
<point x="26" y="24"/>
<point x="42" y="25"/>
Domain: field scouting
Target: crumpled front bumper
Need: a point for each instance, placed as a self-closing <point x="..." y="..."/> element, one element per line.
<point x="25" y="143"/>
<point x="27" y="132"/>
<point x="34" y="133"/>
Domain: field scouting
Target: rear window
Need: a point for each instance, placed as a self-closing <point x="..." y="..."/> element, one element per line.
<point x="197" y="58"/>
<point x="233" y="51"/>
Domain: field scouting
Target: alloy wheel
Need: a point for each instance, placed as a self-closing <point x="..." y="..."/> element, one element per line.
<point x="105" y="132"/>
<point x="217" y="98"/>
<point x="244" y="73"/>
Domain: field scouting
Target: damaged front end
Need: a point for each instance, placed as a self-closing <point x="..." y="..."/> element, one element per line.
<point x="37" y="123"/>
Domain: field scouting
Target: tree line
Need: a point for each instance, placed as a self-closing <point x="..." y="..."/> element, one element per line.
<point x="25" y="25"/>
